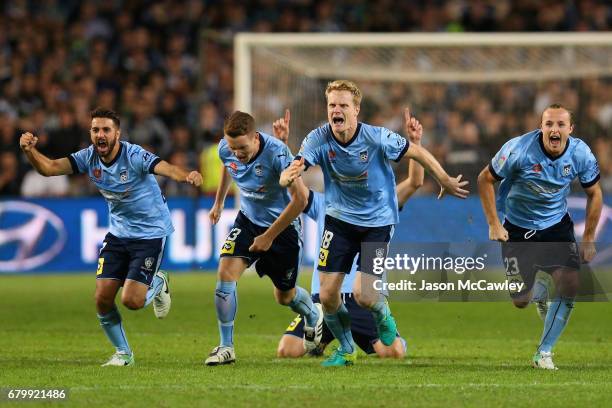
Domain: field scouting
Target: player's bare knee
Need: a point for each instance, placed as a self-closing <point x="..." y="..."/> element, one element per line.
<point x="520" y="303"/>
<point x="284" y="297"/>
<point x="284" y="351"/>
<point x="364" y="300"/>
<point x="104" y="302"/>
<point x="329" y="301"/>
<point x="133" y="302"/>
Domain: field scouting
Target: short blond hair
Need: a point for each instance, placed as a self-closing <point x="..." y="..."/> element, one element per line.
<point x="345" y="85"/>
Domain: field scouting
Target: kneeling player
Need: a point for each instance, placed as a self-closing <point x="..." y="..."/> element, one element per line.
<point x="266" y="230"/>
<point x="363" y="325"/>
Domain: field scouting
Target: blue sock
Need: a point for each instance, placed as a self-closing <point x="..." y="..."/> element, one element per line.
<point x="380" y="309"/>
<point x="539" y="291"/>
<point x="339" y="324"/>
<point x="302" y="304"/>
<point x="226" y="304"/>
<point x="156" y="286"/>
<point x="111" y="324"/>
<point x="556" y="320"/>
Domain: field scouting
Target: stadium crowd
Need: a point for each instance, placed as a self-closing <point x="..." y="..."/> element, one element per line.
<point x="166" y="68"/>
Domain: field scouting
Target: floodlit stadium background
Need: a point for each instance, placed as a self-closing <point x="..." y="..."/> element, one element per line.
<point x="168" y="68"/>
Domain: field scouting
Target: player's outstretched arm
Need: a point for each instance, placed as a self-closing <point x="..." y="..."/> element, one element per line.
<point x="593" y="213"/>
<point x="44" y="165"/>
<point x="163" y="168"/>
<point x="486" y="190"/>
<point x="299" y="199"/>
<point x="449" y="185"/>
<point x="416" y="173"/>
<point x="215" y="212"/>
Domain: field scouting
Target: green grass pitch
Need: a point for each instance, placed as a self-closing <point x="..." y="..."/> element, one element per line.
<point x="460" y="354"/>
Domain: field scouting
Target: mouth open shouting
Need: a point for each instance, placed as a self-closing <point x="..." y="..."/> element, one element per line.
<point x="102" y="147"/>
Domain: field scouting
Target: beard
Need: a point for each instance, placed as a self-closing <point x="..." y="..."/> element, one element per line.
<point x="107" y="150"/>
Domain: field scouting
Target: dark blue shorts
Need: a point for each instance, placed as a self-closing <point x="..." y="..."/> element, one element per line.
<point x="126" y="258"/>
<point x="528" y="251"/>
<point x="342" y="241"/>
<point x="363" y="326"/>
<point x="281" y="262"/>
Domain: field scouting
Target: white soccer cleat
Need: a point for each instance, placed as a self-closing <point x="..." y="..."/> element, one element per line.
<point x="162" y="301"/>
<point x="221" y="355"/>
<point x="543" y="360"/>
<point x="313" y="335"/>
<point x="120" y="360"/>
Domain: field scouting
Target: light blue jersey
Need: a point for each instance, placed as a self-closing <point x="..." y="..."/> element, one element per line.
<point x="136" y="205"/>
<point x="262" y="199"/>
<point x="535" y="185"/>
<point x="359" y="181"/>
<point x="315" y="210"/>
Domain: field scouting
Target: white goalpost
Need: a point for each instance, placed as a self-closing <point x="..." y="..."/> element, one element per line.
<point x="274" y="71"/>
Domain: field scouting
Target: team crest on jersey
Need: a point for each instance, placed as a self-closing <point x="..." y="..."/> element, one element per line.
<point x="148" y="263"/>
<point x="123" y="176"/>
<point x="97" y="173"/>
<point x="537" y="168"/>
<point x="567" y="169"/>
<point x="363" y="156"/>
<point x="234" y="167"/>
<point x="258" y="170"/>
<point x="331" y="154"/>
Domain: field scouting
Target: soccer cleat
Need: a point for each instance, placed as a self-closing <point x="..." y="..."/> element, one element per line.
<point x="120" y="360"/>
<point x="340" y="359"/>
<point x="221" y="355"/>
<point x="543" y="360"/>
<point x="162" y="301"/>
<point x="387" y="330"/>
<point x="313" y="335"/>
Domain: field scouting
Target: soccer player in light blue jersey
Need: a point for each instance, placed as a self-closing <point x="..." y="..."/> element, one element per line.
<point x="139" y="221"/>
<point x="265" y="231"/>
<point x="536" y="170"/>
<point x="363" y="326"/>
<point x="361" y="206"/>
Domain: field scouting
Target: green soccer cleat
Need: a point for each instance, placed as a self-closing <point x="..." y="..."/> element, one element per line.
<point x="340" y="359"/>
<point x="120" y="360"/>
<point x="387" y="330"/>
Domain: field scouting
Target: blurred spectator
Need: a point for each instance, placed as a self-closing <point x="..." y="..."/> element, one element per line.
<point x="170" y="187"/>
<point x="166" y="66"/>
<point x="37" y="185"/>
<point x="9" y="169"/>
<point x="210" y="167"/>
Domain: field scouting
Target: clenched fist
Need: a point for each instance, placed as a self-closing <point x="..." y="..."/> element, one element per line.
<point x="27" y="141"/>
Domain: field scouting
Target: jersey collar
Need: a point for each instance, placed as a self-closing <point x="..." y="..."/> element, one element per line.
<point x="351" y="140"/>
<point x="116" y="157"/>
<point x="550" y="156"/>
<point x="261" y="147"/>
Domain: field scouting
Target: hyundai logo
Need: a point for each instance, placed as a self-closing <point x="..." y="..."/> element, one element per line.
<point x="27" y="235"/>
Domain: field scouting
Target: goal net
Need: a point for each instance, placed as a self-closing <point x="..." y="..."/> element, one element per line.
<point x="471" y="91"/>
